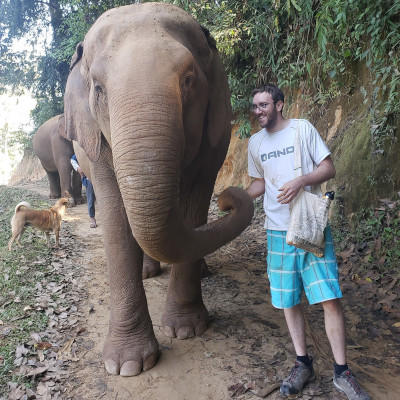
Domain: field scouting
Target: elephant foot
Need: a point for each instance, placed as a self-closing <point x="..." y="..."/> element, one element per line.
<point x="184" y="322"/>
<point x="126" y="356"/>
<point x="151" y="267"/>
<point x="54" y="196"/>
<point x="78" y="200"/>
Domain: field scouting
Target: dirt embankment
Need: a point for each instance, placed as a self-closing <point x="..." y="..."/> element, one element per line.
<point x="29" y="169"/>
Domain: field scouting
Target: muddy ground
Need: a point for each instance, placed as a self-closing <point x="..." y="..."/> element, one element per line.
<point x="246" y="350"/>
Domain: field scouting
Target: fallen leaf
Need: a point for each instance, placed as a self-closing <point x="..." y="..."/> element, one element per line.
<point x="36" y="337"/>
<point x="38" y="371"/>
<point x="20" y="351"/>
<point x="347" y="253"/>
<point x="66" y="349"/>
<point x="388" y="300"/>
<point x="43" y="345"/>
<point x="43" y="390"/>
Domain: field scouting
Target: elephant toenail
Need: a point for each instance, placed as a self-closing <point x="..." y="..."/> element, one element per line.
<point x="168" y="331"/>
<point x="185" y="333"/>
<point x="150" y="362"/>
<point x="130" y="368"/>
<point x="111" y="367"/>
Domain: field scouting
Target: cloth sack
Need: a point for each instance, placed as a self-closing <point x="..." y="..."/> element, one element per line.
<point x="308" y="220"/>
<point x="308" y="214"/>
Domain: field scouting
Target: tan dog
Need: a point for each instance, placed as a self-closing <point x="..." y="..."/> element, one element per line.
<point x="44" y="220"/>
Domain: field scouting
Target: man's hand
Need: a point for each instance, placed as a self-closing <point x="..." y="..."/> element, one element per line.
<point x="325" y="170"/>
<point x="80" y="171"/>
<point x="290" y="190"/>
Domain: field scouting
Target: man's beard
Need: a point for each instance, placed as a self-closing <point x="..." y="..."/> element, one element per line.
<point x="271" y="120"/>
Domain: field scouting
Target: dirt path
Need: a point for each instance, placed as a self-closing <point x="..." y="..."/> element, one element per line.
<point x="246" y="349"/>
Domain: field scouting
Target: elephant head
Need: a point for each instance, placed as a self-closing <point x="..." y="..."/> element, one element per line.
<point x="148" y="82"/>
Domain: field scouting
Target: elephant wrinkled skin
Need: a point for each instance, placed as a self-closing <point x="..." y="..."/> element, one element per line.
<point x="54" y="153"/>
<point x="151" y="267"/>
<point x="148" y="100"/>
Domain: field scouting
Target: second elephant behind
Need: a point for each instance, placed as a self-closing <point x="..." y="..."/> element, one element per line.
<point x="54" y="153"/>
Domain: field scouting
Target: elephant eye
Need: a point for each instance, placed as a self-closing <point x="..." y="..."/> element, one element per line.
<point x="188" y="80"/>
<point x="186" y="91"/>
<point x="98" y="88"/>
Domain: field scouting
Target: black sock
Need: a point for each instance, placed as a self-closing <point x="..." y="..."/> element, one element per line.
<point x="340" y="368"/>
<point x="307" y="360"/>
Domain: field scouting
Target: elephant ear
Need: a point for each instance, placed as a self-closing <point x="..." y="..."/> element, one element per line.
<point x="79" y="123"/>
<point x="61" y="127"/>
<point x="219" y="112"/>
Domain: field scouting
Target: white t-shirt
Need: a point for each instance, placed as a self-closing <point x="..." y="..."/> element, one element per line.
<point x="271" y="156"/>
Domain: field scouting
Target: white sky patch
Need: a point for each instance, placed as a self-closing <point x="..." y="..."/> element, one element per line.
<point x="15" y="112"/>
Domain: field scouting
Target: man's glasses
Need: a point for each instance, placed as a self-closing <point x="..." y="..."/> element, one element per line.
<point x="260" y="107"/>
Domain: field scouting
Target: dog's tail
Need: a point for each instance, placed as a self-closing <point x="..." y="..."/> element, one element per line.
<point x="22" y="204"/>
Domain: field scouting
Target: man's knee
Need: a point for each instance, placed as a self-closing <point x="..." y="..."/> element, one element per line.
<point x="332" y="306"/>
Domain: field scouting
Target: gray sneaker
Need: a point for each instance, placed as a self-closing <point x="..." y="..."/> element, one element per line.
<point x="298" y="377"/>
<point x="347" y="384"/>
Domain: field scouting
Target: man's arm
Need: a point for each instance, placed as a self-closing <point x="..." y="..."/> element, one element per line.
<point x="256" y="188"/>
<point x="325" y="170"/>
<point x="74" y="163"/>
<point x="76" y="166"/>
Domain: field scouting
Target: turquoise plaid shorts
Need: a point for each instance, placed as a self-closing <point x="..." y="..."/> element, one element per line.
<point x="292" y="270"/>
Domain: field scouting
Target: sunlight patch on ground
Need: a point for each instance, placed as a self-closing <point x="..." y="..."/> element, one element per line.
<point x="70" y="218"/>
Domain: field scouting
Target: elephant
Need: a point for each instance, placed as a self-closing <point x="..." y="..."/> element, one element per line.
<point x="151" y="267"/>
<point x="147" y="98"/>
<point x="54" y="153"/>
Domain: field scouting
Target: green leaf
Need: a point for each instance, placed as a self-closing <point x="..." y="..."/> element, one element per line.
<point x="295" y="5"/>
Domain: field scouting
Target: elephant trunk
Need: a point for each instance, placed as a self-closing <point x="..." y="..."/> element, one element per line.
<point x="147" y="162"/>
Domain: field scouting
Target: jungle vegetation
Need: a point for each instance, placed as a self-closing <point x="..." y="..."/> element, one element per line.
<point x="294" y="43"/>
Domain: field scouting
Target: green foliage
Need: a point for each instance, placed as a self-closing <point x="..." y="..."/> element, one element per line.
<point x="316" y="44"/>
<point x="79" y="17"/>
<point x="350" y="31"/>
<point x="307" y="43"/>
<point x="37" y="23"/>
<point x="375" y="232"/>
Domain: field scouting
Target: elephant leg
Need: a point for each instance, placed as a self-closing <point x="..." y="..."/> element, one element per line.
<point x="54" y="183"/>
<point x="65" y="170"/>
<point x="185" y="314"/>
<point x="76" y="188"/>
<point x="151" y="267"/>
<point x="131" y="345"/>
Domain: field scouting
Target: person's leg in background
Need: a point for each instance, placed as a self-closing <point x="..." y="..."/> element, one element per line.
<point x="90" y="202"/>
